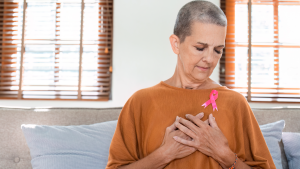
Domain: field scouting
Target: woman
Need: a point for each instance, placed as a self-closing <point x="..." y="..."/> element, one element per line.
<point x="225" y="135"/>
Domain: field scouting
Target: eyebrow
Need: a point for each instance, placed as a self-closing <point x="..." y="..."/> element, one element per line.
<point x="205" y="44"/>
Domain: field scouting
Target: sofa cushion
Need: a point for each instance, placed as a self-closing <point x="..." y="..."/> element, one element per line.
<point x="291" y="142"/>
<point x="69" y="147"/>
<point x="284" y="161"/>
<point x="272" y="133"/>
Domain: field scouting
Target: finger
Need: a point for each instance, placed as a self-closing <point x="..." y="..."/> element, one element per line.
<point x="212" y="121"/>
<point x="172" y="127"/>
<point x="200" y="115"/>
<point x="189" y="124"/>
<point x="183" y="141"/>
<point x="195" y="120"/>
<point x="206" y="122"/>
<point x="184" y="129"/>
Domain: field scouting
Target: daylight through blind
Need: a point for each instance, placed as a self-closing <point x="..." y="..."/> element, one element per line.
<point x="274" y="50"/>
<point x="63" y="51"/>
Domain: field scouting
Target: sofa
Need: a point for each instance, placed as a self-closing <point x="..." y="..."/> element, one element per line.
<point x="15" y="154"/>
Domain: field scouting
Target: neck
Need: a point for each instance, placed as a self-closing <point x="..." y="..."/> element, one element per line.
<point x="180" y="80"/>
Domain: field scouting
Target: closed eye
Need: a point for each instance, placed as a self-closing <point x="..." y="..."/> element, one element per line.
<point x="200" y="49"/>
<point x="218" y="52"/>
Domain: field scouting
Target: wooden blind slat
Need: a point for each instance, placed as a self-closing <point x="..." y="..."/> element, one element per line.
<point x="47" y="60"/>
<point x="253" y="87"/>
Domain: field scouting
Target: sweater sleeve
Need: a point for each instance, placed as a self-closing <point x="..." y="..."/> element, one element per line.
<point x="254" y="151"/>
<point x="124" y="145"/>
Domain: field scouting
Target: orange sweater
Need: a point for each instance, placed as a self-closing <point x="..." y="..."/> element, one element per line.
<point x="147" y="113"/>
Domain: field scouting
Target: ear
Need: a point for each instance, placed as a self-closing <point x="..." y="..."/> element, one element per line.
<point x="174" y="41"/>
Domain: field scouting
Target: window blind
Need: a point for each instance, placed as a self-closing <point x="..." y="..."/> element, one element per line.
<point x="56" y="49"/>
<point x="262" y="54"/>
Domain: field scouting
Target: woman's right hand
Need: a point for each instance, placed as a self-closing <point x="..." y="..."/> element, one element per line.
<point x="168" y="151"/>
<point x="171" y="148"/>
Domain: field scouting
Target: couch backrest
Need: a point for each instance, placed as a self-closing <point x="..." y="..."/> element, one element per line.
<point x="290" y="115"/>
<point x="14" y="152"/>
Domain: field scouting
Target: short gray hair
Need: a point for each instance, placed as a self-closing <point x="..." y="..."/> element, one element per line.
<point x="201" y="11"/>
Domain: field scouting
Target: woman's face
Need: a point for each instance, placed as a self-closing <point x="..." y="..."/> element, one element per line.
<point x="200" y="52"/>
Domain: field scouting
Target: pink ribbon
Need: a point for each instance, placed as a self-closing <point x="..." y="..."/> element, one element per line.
<point x="211" y="100"/>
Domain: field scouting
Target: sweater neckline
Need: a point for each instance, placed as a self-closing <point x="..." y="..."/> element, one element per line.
<point x="189" y="90"/>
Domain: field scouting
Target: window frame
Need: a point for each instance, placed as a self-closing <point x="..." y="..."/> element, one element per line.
<point x="107" y="50"/>
<point x="227" y="61"/>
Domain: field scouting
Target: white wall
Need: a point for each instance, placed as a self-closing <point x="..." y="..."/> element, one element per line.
<point x="142" y="56"/>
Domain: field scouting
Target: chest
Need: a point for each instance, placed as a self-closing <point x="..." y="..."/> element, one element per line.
<point x="158" y="117"/>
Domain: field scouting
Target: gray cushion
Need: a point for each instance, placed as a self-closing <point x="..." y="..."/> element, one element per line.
<point x="291" y="142"/>
<point x="69" y="147"/>
<point x="272" y="133"/>
<point x="283" y="156"/>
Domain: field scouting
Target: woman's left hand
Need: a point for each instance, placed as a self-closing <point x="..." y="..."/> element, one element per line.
<point x="206" y="137"/>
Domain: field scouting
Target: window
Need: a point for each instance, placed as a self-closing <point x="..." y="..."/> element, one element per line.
<point x="274" y="53"/>
<point x="56" y="49"/>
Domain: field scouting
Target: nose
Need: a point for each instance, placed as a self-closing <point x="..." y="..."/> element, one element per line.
<point x="208" y="55"/>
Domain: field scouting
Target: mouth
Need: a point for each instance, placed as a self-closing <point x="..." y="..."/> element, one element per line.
<point x="202" y="68"/>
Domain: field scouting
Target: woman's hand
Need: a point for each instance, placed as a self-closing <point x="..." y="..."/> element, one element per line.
<point x="206" y="137"/>
<point x="172" y="149"/>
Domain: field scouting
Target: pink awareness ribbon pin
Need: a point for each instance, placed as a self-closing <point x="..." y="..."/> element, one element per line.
<point x="211" y="100"/>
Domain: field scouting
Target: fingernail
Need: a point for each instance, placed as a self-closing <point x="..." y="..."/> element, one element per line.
<point x="177" y="118"/>
<point x="175" y="137"/>
<point x="186" y="115"/>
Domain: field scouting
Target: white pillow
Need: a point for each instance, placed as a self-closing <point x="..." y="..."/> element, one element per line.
<point x="291" y="142"/>
<point x="272" y="133"/>
<point x="69" y="147"/>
